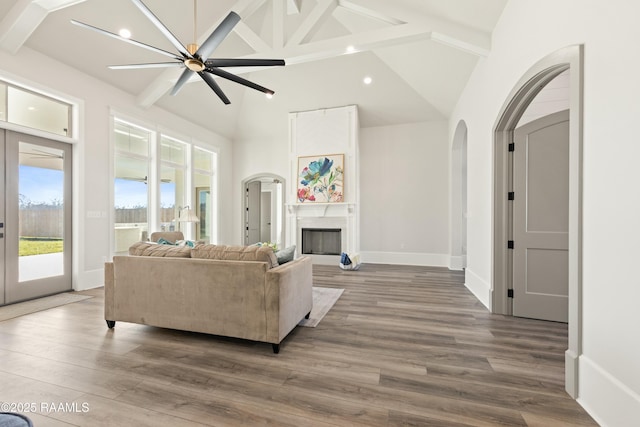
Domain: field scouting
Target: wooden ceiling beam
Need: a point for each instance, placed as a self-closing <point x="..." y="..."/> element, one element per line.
<point x="313" y="22"/>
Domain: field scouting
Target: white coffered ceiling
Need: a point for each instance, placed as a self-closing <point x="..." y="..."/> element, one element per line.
<point x="419" y="53"/>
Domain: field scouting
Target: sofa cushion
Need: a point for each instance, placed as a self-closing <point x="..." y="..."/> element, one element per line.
<point x="236" y="253"/>
<point x="286" y="255"/>
<point x="154" y="249"/>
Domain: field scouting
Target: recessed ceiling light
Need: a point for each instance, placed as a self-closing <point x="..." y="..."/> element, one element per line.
<point x="351" y="49"/>
<point x="125" y="33"/>
<point x="367" y="80"/>
<point x="31" y="108"/>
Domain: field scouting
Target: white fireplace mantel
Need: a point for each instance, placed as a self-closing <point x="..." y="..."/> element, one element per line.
<point x="324" y="215"/>
<point x="321" y="209"/>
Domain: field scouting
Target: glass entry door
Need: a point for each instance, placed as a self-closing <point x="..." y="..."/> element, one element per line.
<point x="37" y="217"/>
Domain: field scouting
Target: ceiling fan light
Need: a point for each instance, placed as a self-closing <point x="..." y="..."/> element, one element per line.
<point x="269" y="95"/>
<point x="194" y="65"/>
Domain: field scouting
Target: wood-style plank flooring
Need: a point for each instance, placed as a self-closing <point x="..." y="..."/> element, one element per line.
<point x="403" y="346"/>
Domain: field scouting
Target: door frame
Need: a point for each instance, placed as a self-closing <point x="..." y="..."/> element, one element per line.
<point x="3" y="218"/>
<point x="458" y="202"/>
<point x="281" y="209"/>
<point x="48" y="285"/>
<point x="516" y="103"/>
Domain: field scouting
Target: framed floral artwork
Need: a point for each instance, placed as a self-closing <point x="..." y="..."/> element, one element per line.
<point x="321" y="179"/>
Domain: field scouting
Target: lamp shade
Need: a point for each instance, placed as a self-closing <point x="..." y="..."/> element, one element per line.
<point x="187" y="215"/>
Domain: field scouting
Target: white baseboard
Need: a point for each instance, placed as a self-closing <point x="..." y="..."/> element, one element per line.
<point x="571" y="373"/>
<point x="478" y="287"/>
<point x="89" y="280"/>
<point x="605" y="397"/>
<point x="405" y="258"/>
<point x="457" y="262"/>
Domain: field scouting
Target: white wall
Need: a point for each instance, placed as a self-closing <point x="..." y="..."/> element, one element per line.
<point x="404" y="177"/>
<point x="93" y="154"/>
<point x="403" y="180"/>
<point x="609" y="376"/>
<point x="254" y="153"/>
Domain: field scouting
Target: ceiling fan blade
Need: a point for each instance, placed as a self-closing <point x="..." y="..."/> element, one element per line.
<point x="239" y="80"/>
<point x="243" y="62"/>
<point x="130" y="41"/>
<point x="184" y="77"/>
<point x="218" y="35"/>
<point x="213" y="85"/>
<point x="148" y="65"/>
<point x="163" y="29"/>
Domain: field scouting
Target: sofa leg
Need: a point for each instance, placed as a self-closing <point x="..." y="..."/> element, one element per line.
<point x="276" y="348"/>
<point x="111" y="324"/>
<point x="308" y="315"/>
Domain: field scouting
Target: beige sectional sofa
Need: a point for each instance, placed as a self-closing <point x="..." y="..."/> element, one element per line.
<point x="234" y="291"/>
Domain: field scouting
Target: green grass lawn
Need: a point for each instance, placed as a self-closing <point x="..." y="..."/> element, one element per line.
<point x="38" y="246"/>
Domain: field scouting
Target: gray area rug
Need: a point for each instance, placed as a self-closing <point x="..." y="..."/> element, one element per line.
<point x="323" y="300"/>
<point x="20" y="309"/>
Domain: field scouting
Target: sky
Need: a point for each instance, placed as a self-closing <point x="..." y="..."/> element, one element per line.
<point x="41" y="186"/>
<point x="130" y="193"/>
<point x="44" y="186"/>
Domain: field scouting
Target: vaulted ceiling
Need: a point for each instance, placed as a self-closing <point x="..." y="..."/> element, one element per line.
<point x="418" y="53"/>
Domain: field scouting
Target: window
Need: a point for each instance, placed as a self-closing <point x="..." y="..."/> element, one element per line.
<point x="155" y="183"/>
<point x="131" y="187"/>
<point x="172" y="181"/>
<point x="203" y="183"/>
<point x="26" y="108"/>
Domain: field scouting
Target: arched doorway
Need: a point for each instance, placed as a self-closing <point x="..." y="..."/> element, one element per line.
<point x="514" y="107"/>
<point x="263" y="209"/>
<point x="458" y="257"/>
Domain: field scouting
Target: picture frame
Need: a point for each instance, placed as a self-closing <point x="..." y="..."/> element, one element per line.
<point x="320" y="179"/>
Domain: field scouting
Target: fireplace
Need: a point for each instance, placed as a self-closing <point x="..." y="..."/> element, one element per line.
<point x="321" y="241"/>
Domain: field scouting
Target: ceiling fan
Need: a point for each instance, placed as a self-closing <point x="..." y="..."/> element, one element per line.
<point x="194" y="58"/>
<point x="143" y="180"/>
<point x="35" y="153"/>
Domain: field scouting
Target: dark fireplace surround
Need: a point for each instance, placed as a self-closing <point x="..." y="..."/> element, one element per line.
<point x="321" y="241"/>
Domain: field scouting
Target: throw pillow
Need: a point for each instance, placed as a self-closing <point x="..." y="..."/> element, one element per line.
<point x="286" y="255"/>
<point x="189" y="243"/>
<point x="267" y="244"/>
<point x="164" y="241"/>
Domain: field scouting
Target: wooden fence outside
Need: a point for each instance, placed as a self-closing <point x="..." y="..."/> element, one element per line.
<point x="48" y="221"/>
<point x="42" y="221"/>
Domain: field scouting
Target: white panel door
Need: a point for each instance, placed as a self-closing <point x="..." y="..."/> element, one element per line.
<point x="541" y="218"/>
<point x="265" y="216"/>
<point x="252" y="212"/>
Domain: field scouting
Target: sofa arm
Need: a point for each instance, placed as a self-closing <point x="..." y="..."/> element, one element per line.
<point x="108" y="291"/>
<point x="289" y="296"/>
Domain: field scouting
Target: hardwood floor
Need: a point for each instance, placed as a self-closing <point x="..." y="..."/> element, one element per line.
<point x="403" y="346"/>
